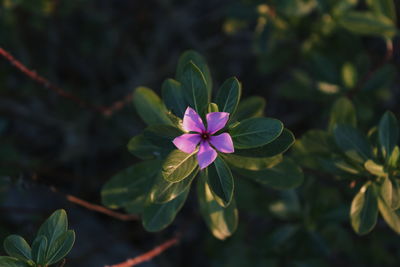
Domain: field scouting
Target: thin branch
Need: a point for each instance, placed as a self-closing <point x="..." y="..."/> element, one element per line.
<point x="104" y="110"/>
<point x="148" y="255"/>
<point x="97" y="208"/>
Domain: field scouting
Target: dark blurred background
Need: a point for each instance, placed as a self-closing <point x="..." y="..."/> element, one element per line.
<point x="295" y="53"/>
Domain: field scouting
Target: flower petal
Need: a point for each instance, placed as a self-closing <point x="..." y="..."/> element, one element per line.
<point x="192" y="121"/>
<point x="206" y="155"/>
<point x="223" y="143"/>
<point x="216" y="121"/>
<point x="187" y="142"/>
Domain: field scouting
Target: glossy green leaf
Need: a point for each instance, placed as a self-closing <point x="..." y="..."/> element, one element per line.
<point x="255" y="132"/>
<point x="198" y="60"/>
<point x="342" y="112"/>
<point x="129" y="187"/>
<point x="164" y="191"/>
<point x="364" y="210"/>
<point x="174" y="97"/>
<point x="220" y="180"/>
<point x="395" y="194"/>
<point x="162" y="135"/>
<point x="61" y="247"/>
<point x="248" y="108"/>
<point x="284" y="175"/>
<point x="391" y="217"/>
<point x="374" y="168"/>
<point x="353" y="143"/>
<point x="368" y="23"/>
<point x="55" y="226"/>
<point x="386" y="191"/>
<point x="156" y="217"/>
<point x="388" y="133"/>
<point x="276" y="147"/>
<point x="384" y="7"/>
<point x="228" y="95"/>
<point x="142" y="148"/>
<point x="150" y="107"/>
<point x="178" y="165"/>
<point x="11" y="262"/>
<point x="250" y="163"/>
<point x="17" y="247"/>
<point x="39" y="249"/>
<point x="222" y="222"/>
<point x="195" y="88"/>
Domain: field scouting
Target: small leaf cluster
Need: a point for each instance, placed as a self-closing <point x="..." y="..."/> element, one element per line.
<point x="158" y="187"/>
<point x="370" y="160"/>
<point x="52" y="243"/>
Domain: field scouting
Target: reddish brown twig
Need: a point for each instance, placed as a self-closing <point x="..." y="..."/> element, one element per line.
<point x="106" y="111"/>
<point x="148" y="255"/>
<point x="97" y="208"/>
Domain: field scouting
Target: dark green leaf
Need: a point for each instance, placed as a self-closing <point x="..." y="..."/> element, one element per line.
<point x="129" y="187"/>
<point x="383" y="7"/>
<point x="199" y="61"/>
<point x="255" y="132"/>
<point x="276" y="147"/>
<point x="342" y="112"/>
<point x="61" y="247"/>
<point x="150" y="107"/>
<point x="250" y="163"/>
<point x="248" y="108"/>
<point x="17" y="247"/>
<point x="142" y="148"/>
<point x="195" y="88"/>
<point x="220" y="180"/>
<point x="39" y="248"/>
<point x="284" y="175"/>
<point x="391" y="217"/>
<point x="221" y="221"/>
<point x="156" y="217"/>
<point x="11" y="262"/>
<point x="178" y="165"/>
<point x="164" y="191"/>
<point x="395" y="194"/>
<point x="388" y="133"/>
<point x="228" y="95"/>
<point x="173" y="97"/>
<point x="353" y="143"/>
<point x="162" y="135"/>
<point x="367" y="23"/>
<point x="364" y="210"/>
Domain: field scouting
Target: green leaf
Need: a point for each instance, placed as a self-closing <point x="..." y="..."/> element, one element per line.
<point x="220" y="180"/>
<point x="228" y="95"/>
<point x="55" y="226"/>
<point x="212" y="107"/>
<point x="142" y="148"/>
<point x="195" y="88"/>
<point x="199" y="61"/>
<point x="342" y="112"/>
<point x="364" y="210"/>
<point x="11" y="262"/>
<point x="368" y="23"/>
<point x="150" y="107"/>
<point x="174" y="97"/>
<point x="250" y="163"/>
<point x="129" y="187"/>
<point x="248" y="108"/>
<point x="393" y="161"/>
<point x="39" y="248"/>
<point x="162" y="135"/>
<point x="391" y="217"/>
<point x="284" y="175"/>
<point x="276" y="147"/>
<point x="17" y="247"/>
<point x="222" y="222"/>
<point x="383" y="7"/>
<point x="354" y="144"/>
<point x="395" y="194"/>
<point x="61" y="247"/>
<point x="374" y="168"/>
<point x="388" y="133"/>
<point x="178" y="165"/>
<point x="386" y="191"/>
<point x="164" y="191"/>
<point x="156" y="217"/>
<point x="349" y="75"/>
<point x="255" y="132"/>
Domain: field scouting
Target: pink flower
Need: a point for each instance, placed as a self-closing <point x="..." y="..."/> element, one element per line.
<point x="188" y="142"/>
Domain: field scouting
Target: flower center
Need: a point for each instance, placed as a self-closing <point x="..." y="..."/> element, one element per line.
<point x="205" y="136"/>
